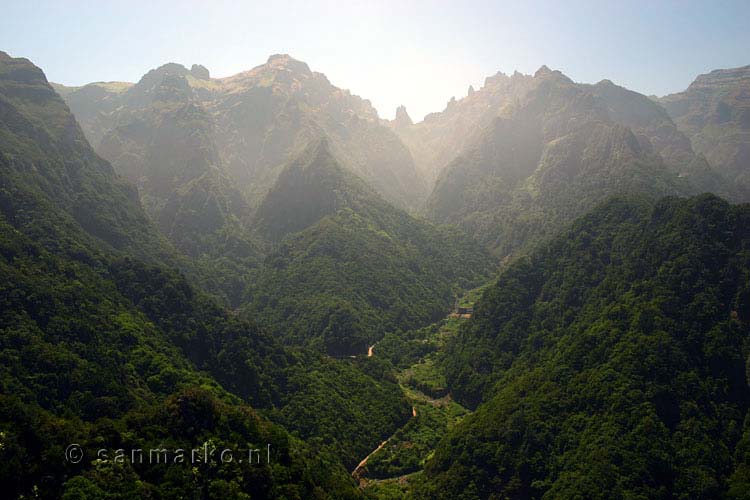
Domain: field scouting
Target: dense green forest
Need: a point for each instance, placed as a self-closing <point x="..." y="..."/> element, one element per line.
<point x="609" y="363"/>
<point x="81" y="364"/>
<point x="105" y="344"/>
<point x="254" y="263"/>
<point x="357" y="267"/>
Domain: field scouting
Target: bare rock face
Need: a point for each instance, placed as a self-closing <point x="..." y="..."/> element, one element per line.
<point x="200" y="72"/>
<point x="714" y="112"/>
<point x="402" y="118"/>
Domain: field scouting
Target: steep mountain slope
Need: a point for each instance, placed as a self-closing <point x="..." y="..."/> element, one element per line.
<point x="263" y="118"/>
<point x="54" y="187"/>
<point x="443" y="136"/>
<point x="440" y="137"/>
<point x="165" y="144"/>
<point x="275" y="109"/>
<point x="204" y="152"/>
<point x="359" y="268"/>
<point x="652" y="126"/>
<point x="309" y="188"/>
<point x="81" y="364"/>
<point x="610" y="363"/>
<point x="102" y="349"/>
<point x="163" y="140"/>
<point x="714" y="112"/>
<point x="544" y="160"/>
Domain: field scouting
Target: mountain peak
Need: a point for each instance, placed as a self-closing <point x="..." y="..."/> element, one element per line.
<point x="288" y="62"/>
<point x="321" y="148"/>
<point x="496" y="78"/>
<point x="310" y="187"/>
<point x="402" y="117"/>
<point x="155" y="76"/>
<point x="21" y="70"/>
<point x="543" y="71"/>
<point x="200" y="72"/>
<point x="171" y="68"/>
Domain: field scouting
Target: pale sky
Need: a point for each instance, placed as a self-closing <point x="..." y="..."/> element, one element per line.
<point x="415" y="53"/>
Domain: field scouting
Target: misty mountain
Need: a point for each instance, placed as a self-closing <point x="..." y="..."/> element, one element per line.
<point x="55" y="188"/>
<point x="442" y="136"/>
<point x="104" y="344"/>
<point x="351" y="266"/>
<point x="714" y="112"/>
<point x="257" y="121"/>
<point x="556" y="152"/>
<point x="260" y="259"/>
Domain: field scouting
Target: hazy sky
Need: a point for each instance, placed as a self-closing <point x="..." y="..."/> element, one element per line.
<point x="415" y="53"/>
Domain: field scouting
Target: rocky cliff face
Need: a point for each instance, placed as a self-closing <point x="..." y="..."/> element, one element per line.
<point x="258" y="120"/>
<point x="550" y="156"/>
<point x="714" y="112"/>
<point x="440" y="137"/>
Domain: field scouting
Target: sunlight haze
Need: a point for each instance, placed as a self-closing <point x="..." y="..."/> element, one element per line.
<point x="414" y="53"/>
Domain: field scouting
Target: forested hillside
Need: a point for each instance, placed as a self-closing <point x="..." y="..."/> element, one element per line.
<point x="81" y="364"/>
<point x="54" y="187"/>
<point x="540" y="292"/>
<point x="358" y="267"/>
<point x="551" y="156"/>
<point x="106" y="345"/>
<point x="611" y="362"/>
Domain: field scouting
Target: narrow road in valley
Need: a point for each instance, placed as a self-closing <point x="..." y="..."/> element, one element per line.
<point x="437" y="411"/>
<point x="357" y="472"/>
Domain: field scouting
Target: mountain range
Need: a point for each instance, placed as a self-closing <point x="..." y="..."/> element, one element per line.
<point x="262" y="260"/>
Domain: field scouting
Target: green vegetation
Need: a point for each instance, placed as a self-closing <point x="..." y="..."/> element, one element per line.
<point x="413" y="444"/>
<point x="609" y="363"/>
<point x="54" y="187"/>
<point x="80" y="364"/>
<point x="389" y="470"/>
<point x="104" y="344"/>
<point x="552" y="156"/>
<point x="425" y="377"/>
<point x="363" y="269"/>
<point x="342" y="407"/>
<point x="391" y="489"/>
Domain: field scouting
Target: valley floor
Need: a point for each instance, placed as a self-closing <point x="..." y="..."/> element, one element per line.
<point x="387" y="471"/>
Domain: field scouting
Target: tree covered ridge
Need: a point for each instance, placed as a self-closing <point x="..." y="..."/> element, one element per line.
<point x="348" y="266"/>
<point x="82" y="365"/>
<point x="609" y="363"/>
<point x="48" y="168"/>
<point x="97" y="342"/>
<point x="104" y="343"/>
